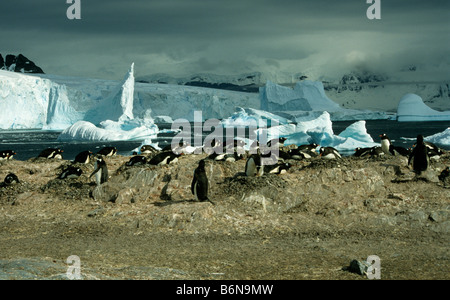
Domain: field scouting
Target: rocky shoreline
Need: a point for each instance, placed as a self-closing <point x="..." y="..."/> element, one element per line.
<point x="325" y="209"/>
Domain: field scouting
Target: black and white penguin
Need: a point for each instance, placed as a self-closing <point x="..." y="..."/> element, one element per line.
<point x="400" y="150"/>
<point x="11" y="178"/>
<point x="199" y="185"/>
<point x="444" y="174"/>
<point x="377" y="151"/>
<point x="148" y="149"/>
<point x="100" y="171"/>
<point x="228" y="157"/>
<point x="361" y="152"/>
<point x="136" y="161"/>
<point x="70" y="173"/>
<point x="107" y="151"/>
<point x="280" y="168"/>
<point x="7" y="154"/>
<point x="386" y="144"/>
<point x="164" y="158"/>
<point x="52" y="153"/>
<point x="83" y="157"/>
<point x="329" y="153"/>
<point x="253" y="166"/>
<point x="419" y="156"/>
<point x="277" y="142"/>
<point x="308" y="151"/>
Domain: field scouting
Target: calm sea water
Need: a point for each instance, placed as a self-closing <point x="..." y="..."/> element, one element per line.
<point x="29" y="143"/>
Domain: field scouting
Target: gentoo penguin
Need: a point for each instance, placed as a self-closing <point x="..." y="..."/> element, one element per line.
<point x="419" y="155"/>
<point x="107" y="151"/>
<point x="277" y="142"/>
<point x="83" y="157"/>
<point x="444" y="174"/>
<point x="253" y="166"/>
<point x="361" y="152"/>
<point x="281" y="168"/>
<point x="7" y="154"/>
<point x="136" y="161"/>
<point x="51" y="153"/>
<point x="199" y="185"/>
<point x="100" y="172"/>
<point x="229" y="157"/>
<point x="308" y="151"/>
<point x="400" y="150"/>
<point x="386" y="144"/>
<point x="11" y="178"/>
<point x="148" y="149"/>
<point x="377" y="151"/>
<point x="70" y="173"/>
<point x="329" y="153"/>
<point x="164" y="158"/>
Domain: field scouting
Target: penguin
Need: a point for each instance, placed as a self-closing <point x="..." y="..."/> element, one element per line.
<point x="181" y="148"/>
<point x="228" y="157"/>
<point x="386" y="144"/>
<point x="100" y="172"/>
<point x="107" y="151"/>
<point x="297" y="154"/>
<point x="52" y="153"/>
<point x="281" y="168"/>
<point x="444" y="174"/>
<point x="419" y="156"/>
<point x="136" y="161"/>
<point x="308" y="151"/>
<point x="164" y="158"/>
<point x="83" y="157"/>
<point x="329" y="153"/>
<point x="277" y="142"/>
<point x="147" y="149"/>
<point x="11" y="178"/>
<point x="199" y="185"/>
<point x="7" y="154"/>
<point x="361" y="152"/>
<point x="253" y="166"/>
<point x="376" y="151"/>
<point x="70" y="173"/>
<point x="400" y="150"/>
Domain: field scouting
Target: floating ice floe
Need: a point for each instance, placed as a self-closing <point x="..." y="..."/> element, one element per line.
<point x="411" y="108"/>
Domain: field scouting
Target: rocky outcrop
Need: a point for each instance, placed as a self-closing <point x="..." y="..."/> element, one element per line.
<point x="19" y="63"/>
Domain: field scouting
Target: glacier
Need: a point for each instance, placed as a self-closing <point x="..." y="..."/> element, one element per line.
<point x="412" y="108"/>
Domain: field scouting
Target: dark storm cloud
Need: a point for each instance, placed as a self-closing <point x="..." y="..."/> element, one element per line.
<point x="188" y="36"/>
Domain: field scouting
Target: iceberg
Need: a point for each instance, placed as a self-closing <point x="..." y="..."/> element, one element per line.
<point x="306" y="101"/>
<point x="320" y="131"/>
<point x="249" y="116"/>
<point x="412" y="108"/>
<point x="115" y="118"/>
<point x="29" y="102"/>
<point x="442" y="138"/>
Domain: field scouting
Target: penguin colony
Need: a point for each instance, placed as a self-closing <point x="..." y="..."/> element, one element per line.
<point x="419" y="157"/>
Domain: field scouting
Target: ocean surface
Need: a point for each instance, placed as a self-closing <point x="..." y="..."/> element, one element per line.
<point x="29" y="143"/>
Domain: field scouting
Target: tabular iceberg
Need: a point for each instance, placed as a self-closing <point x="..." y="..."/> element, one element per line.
<point x="412" y="108"/>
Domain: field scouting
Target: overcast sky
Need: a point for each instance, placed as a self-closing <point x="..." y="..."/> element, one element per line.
<point x="181" y="37"/>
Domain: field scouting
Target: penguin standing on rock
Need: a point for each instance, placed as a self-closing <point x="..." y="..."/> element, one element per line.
<point x="419" y="156"/>
<point x="253" y="166"/>
<point x="199" y="185"/>
<point x="386" y="144"/>
<point x="100" y="172"/>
